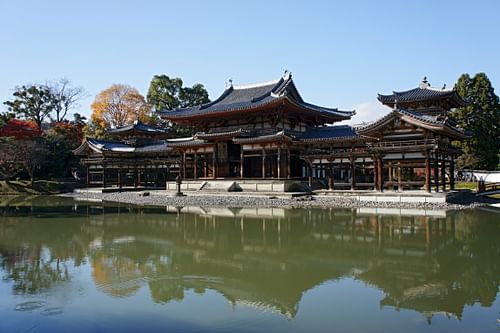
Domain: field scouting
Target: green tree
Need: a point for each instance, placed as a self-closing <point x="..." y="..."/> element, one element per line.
<point x="167" y="93"/>
<point x="5" y="118"/>
<point x="482" y="117"/>
<point x="33" y="103"/>
<point x="164" y="92"/>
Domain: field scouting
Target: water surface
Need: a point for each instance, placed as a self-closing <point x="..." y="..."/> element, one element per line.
<point x="69" y="266"/>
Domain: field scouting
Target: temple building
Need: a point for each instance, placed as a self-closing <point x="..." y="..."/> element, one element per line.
<point x="138" y="157"/>
<point x="267" y="133"/>
<point x="252" y="131"/>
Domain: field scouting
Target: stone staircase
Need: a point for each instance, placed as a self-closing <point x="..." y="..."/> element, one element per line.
<point x="218" y="186"/>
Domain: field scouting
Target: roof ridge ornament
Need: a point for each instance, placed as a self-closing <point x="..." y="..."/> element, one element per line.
<point x="424" y="84"/>
<point x="229" y="83"/>
<point x="287" y="75"/>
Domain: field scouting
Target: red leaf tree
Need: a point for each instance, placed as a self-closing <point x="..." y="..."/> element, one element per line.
<point x="20" y="129"/>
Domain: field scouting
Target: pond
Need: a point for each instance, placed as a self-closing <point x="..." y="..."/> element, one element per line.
<point x="70" y="266"/>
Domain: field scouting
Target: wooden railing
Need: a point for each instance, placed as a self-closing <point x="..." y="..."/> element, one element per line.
<point x="487" y="187"/>
<point x="402" y="144"/>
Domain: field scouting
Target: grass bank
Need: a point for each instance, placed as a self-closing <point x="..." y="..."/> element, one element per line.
<point x="23" y="187"/>
<point x="466" y="186"/>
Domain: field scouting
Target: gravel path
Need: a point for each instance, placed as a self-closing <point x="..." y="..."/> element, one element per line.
<point x="232" y="200"/>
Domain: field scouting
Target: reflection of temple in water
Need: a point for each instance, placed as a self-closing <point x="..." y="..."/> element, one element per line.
<point x="435" y="262"/>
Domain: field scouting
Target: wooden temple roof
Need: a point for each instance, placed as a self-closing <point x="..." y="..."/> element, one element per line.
<point x="330" y="133"/>
<point x="282" y="135"/>
<point x="220" y="135"/>
<point x="192" y="142"/>
<point x="432" y="123"/>
<point x="422" y="94"/>
<point x="106" y="146"/>
<point x="256" y="97"/>
<point x="138" y="127"/>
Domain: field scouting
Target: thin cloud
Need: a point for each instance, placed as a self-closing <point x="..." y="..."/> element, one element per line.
<point x="367" y="112"/>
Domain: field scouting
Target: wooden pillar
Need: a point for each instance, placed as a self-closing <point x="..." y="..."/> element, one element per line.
<point x="443" y="172"/>
<point x="155" y="178"/>
<point x="309" y="174"/>
<point x="427" y="174"/>
<point x="389" y="172"/>
<point x="183" y="171"/>
<point x="288" y="166"/>
<point x="88" y="176"/>
<point x="436" y="172"/>
<point x="242" y="162"/>
<point x="331" y="184"/>
<point x="120" y="178"/>
<point x="135" y="176"/>
<point x="353" y="173"/>
<point x="195" y="166"/>
<point x="381" y="173"/>
<point x="452" y="174"/>
<point x="399" y="177"/>
<point x="205" y="165"/>
<point x="103" y="175"/>
<point x="214" y="164"/>
<point x="263" y="163"/>
<point x="278" y="160"/>
<point x="376" y="186"/>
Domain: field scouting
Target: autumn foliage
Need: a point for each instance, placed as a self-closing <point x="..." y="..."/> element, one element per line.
<point x="20" y="129"/>
<point x="71" y="132"/>
<point x="119" y="105"/>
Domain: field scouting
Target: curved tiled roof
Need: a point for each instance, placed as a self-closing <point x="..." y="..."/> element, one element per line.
<point x="420" y="94"/>
<point x="430" y="122"/>
<point x="330" y="133"/>
<point x="102" y="146"/>
<point x="249" y="97"/>
<point x="188" y="143"/>
<point x="138" y="126"/>
<point x="202" y="135"/>
<point x="281" y="135"/>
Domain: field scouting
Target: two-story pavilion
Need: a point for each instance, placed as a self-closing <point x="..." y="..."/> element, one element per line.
<point x="251" y="131"/>
<point x="268" y="132"/>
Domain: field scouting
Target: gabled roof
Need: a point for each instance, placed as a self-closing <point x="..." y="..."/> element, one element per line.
<point x="423" y="93"/>
<point x="282" y="135"/>
<point x="220" y="135"/>
<point x="330" y="133"/>
<point x="138" y="127"/>
<point x="191" y="142"/>
<point x="434" y="124"/>
<point x="253" y="97"/>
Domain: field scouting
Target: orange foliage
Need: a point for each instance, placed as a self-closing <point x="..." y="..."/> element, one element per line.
<point x="119" y="105"/>
<point x="20" y="129"/>
<point x="72" y="132"/>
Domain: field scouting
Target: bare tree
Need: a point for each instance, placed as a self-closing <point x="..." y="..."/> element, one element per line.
<point x="32" y="155"/>
<point x="66" y="97"/>
<point x="10" y="161"/>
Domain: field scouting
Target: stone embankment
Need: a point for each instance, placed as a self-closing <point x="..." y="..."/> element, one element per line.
<point x="161" y="198"/>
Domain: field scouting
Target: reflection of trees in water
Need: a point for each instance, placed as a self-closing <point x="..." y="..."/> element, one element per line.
<point x="35" y="255"/>
<point x="480" y="247"/>
<point x="429" y="264"/>
<point x="30" y="272"/>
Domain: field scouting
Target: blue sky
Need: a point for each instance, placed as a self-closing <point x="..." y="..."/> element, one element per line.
<point x="341" y="53"/>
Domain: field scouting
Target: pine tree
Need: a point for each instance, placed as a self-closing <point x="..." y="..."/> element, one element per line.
<point x="482" y="117"/>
